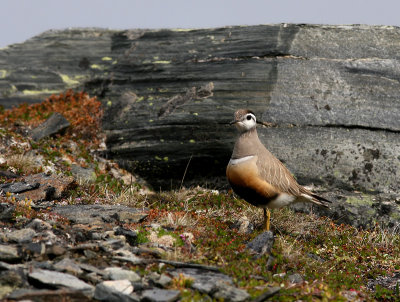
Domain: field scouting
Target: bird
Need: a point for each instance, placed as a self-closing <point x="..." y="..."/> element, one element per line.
<point x="260" y="178"/>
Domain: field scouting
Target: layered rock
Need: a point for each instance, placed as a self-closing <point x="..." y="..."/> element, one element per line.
<point x="332" y="90"/>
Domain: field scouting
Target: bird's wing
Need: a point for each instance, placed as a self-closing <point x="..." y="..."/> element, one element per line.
<point x="274" y="172"/>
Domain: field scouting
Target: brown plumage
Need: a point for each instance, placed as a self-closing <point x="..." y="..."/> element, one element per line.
<point x="257" y="176"/>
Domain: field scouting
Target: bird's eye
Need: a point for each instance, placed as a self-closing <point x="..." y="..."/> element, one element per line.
<point x="248" y="117"/>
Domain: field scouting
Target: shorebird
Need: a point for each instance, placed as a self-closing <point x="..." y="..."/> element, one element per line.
<point x="257" y="176"/>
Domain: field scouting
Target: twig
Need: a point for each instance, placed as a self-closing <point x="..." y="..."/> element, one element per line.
<point x="184" y="174"/>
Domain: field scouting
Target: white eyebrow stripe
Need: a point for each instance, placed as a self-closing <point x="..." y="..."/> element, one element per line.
<point x="240" y="160"/>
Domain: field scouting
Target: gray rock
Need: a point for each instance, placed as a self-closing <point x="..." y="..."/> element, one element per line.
<point x="52" y="279"/>
<point x="295" y="278"/>
<point x="160" y="295"/>
<point x="69" y="266"/>
<point x="119" y="290"/>
<point x="131" y="236"/>
<point x="267" y="294"/>
<point x="163" y="281"/>
<point x="117" y="273"/>
<point x="262" y="244"/>
<point x="204" y="281"/>
<point x="6" y="211"/>
<point x="226" y="292"/>
<point x="9" y="253"/>
<point x="39" y="225"/>
<point x="99" y="214"/>
<point x="84" y="174"/>
<point x="18" y="187"/>
<point x="21" y="236"/>
<point x="56" y="123"/>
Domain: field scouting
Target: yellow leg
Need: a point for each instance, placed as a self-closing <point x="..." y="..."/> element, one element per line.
<point x="267" y="219"/>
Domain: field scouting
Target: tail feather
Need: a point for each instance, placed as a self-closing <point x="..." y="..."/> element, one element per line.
<point x="314" y="198"/>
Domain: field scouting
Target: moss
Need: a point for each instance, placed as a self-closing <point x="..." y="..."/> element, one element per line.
<point x="69" y="81"/>
<point x="3" y="73"/>
<point x="365" y="200"/>
<point x="162" y="62"/>
<point x="38" y="92"/>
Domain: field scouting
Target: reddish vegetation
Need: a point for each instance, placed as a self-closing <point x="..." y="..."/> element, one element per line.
<point x="83" y="112"/>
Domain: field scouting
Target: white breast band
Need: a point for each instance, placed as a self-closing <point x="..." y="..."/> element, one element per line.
<point x="240" y="160"/>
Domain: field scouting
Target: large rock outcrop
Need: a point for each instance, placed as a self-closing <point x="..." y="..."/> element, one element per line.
<point x="333" y="92"/>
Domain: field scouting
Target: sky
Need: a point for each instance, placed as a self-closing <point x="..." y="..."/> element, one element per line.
<point x="23" y="19"/>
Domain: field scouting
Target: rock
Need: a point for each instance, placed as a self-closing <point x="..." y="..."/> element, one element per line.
<point x="164" y="281"/>
<point x="48" y="295"/>
<point x="131" y="236"/>
<point x="262" y="244"/>
<point x="166" y="241"/>
<point x="295" y="278"/>
<point x="50" y="187"/>
<point x="84" y="174"/>
<point x="69" y="266"/>
<point x="117" y="273"/>
<point x="35" y="249"/>
<point x="160" y="295"/>
<point x="56" y="123"/>
<point x="390" y="282"/>
<point x="99" y="214"/>
<point x="203" y="280"/>
<point x="39" y="225"/>
<point x="229" y="293"/>
<point x="9" y="253"/>
<point x="53" y="279"/>
<point x="18" y="187"/>
<point x="119" y="290"/>
<point x="268" y="294"/>
<point x="6" y="211"/>
<point x="21" y="236"/>
<point x="8" y="174"/>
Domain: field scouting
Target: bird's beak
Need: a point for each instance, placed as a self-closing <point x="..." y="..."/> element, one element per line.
<point x="233" y="122"/>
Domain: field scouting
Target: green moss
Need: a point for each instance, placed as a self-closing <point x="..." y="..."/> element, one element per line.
<point x="365" y="200"/>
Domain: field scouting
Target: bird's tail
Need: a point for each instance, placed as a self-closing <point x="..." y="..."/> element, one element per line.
<point x="316" y="199"/>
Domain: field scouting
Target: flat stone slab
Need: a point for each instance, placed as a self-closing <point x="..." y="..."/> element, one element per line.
<point x="56" y="123"/>
<point x="54" y="279"/>
<point x="99" y="214"/>
<point x="160" y="295"/>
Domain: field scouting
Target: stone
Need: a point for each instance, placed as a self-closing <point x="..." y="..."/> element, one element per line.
<point x="84" y="174"/>
<point x="166" y="241"/>
<point x="160" y="295"/>
<point x="39" y="225"/>
<point x="272" y="291"/>
<point x="69" y="266"/>
<point x="118" y="290"/>
<point x="262" y="244"/>
<point x="21" y="236"/>
<point x="63" y="294"/>
<point x="226" y="292"/>
<point x="295" y="278"/>
<point x="203" y="280"/>
<point x="50" y="186"/>
<point x="52" y="279"/>
<point x="99" y="214"/>
<point x="6" y="211"/>
<point x="131" y="236"/>
<point x="117" y="273"/>
<point x="9" y="253"/>
<point x="56" y="123"/>
<point x="164" y="281"/>
<point x="18" y="187"/>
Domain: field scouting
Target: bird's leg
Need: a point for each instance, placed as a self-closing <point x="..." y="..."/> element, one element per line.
<point x="267" y="218"/>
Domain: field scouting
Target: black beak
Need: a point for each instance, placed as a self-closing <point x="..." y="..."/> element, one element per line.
<point x="232" y="122"/>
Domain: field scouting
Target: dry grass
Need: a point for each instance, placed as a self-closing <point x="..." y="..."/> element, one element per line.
<point x="23" y="163"/>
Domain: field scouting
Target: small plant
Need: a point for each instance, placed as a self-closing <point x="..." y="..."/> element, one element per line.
<point x="182" y="282"/>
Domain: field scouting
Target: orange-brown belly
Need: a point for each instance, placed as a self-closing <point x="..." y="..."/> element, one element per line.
<point x="246" y="183"/>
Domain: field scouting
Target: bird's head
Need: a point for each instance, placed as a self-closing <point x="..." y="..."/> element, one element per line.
<point x="244" y="120"/>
